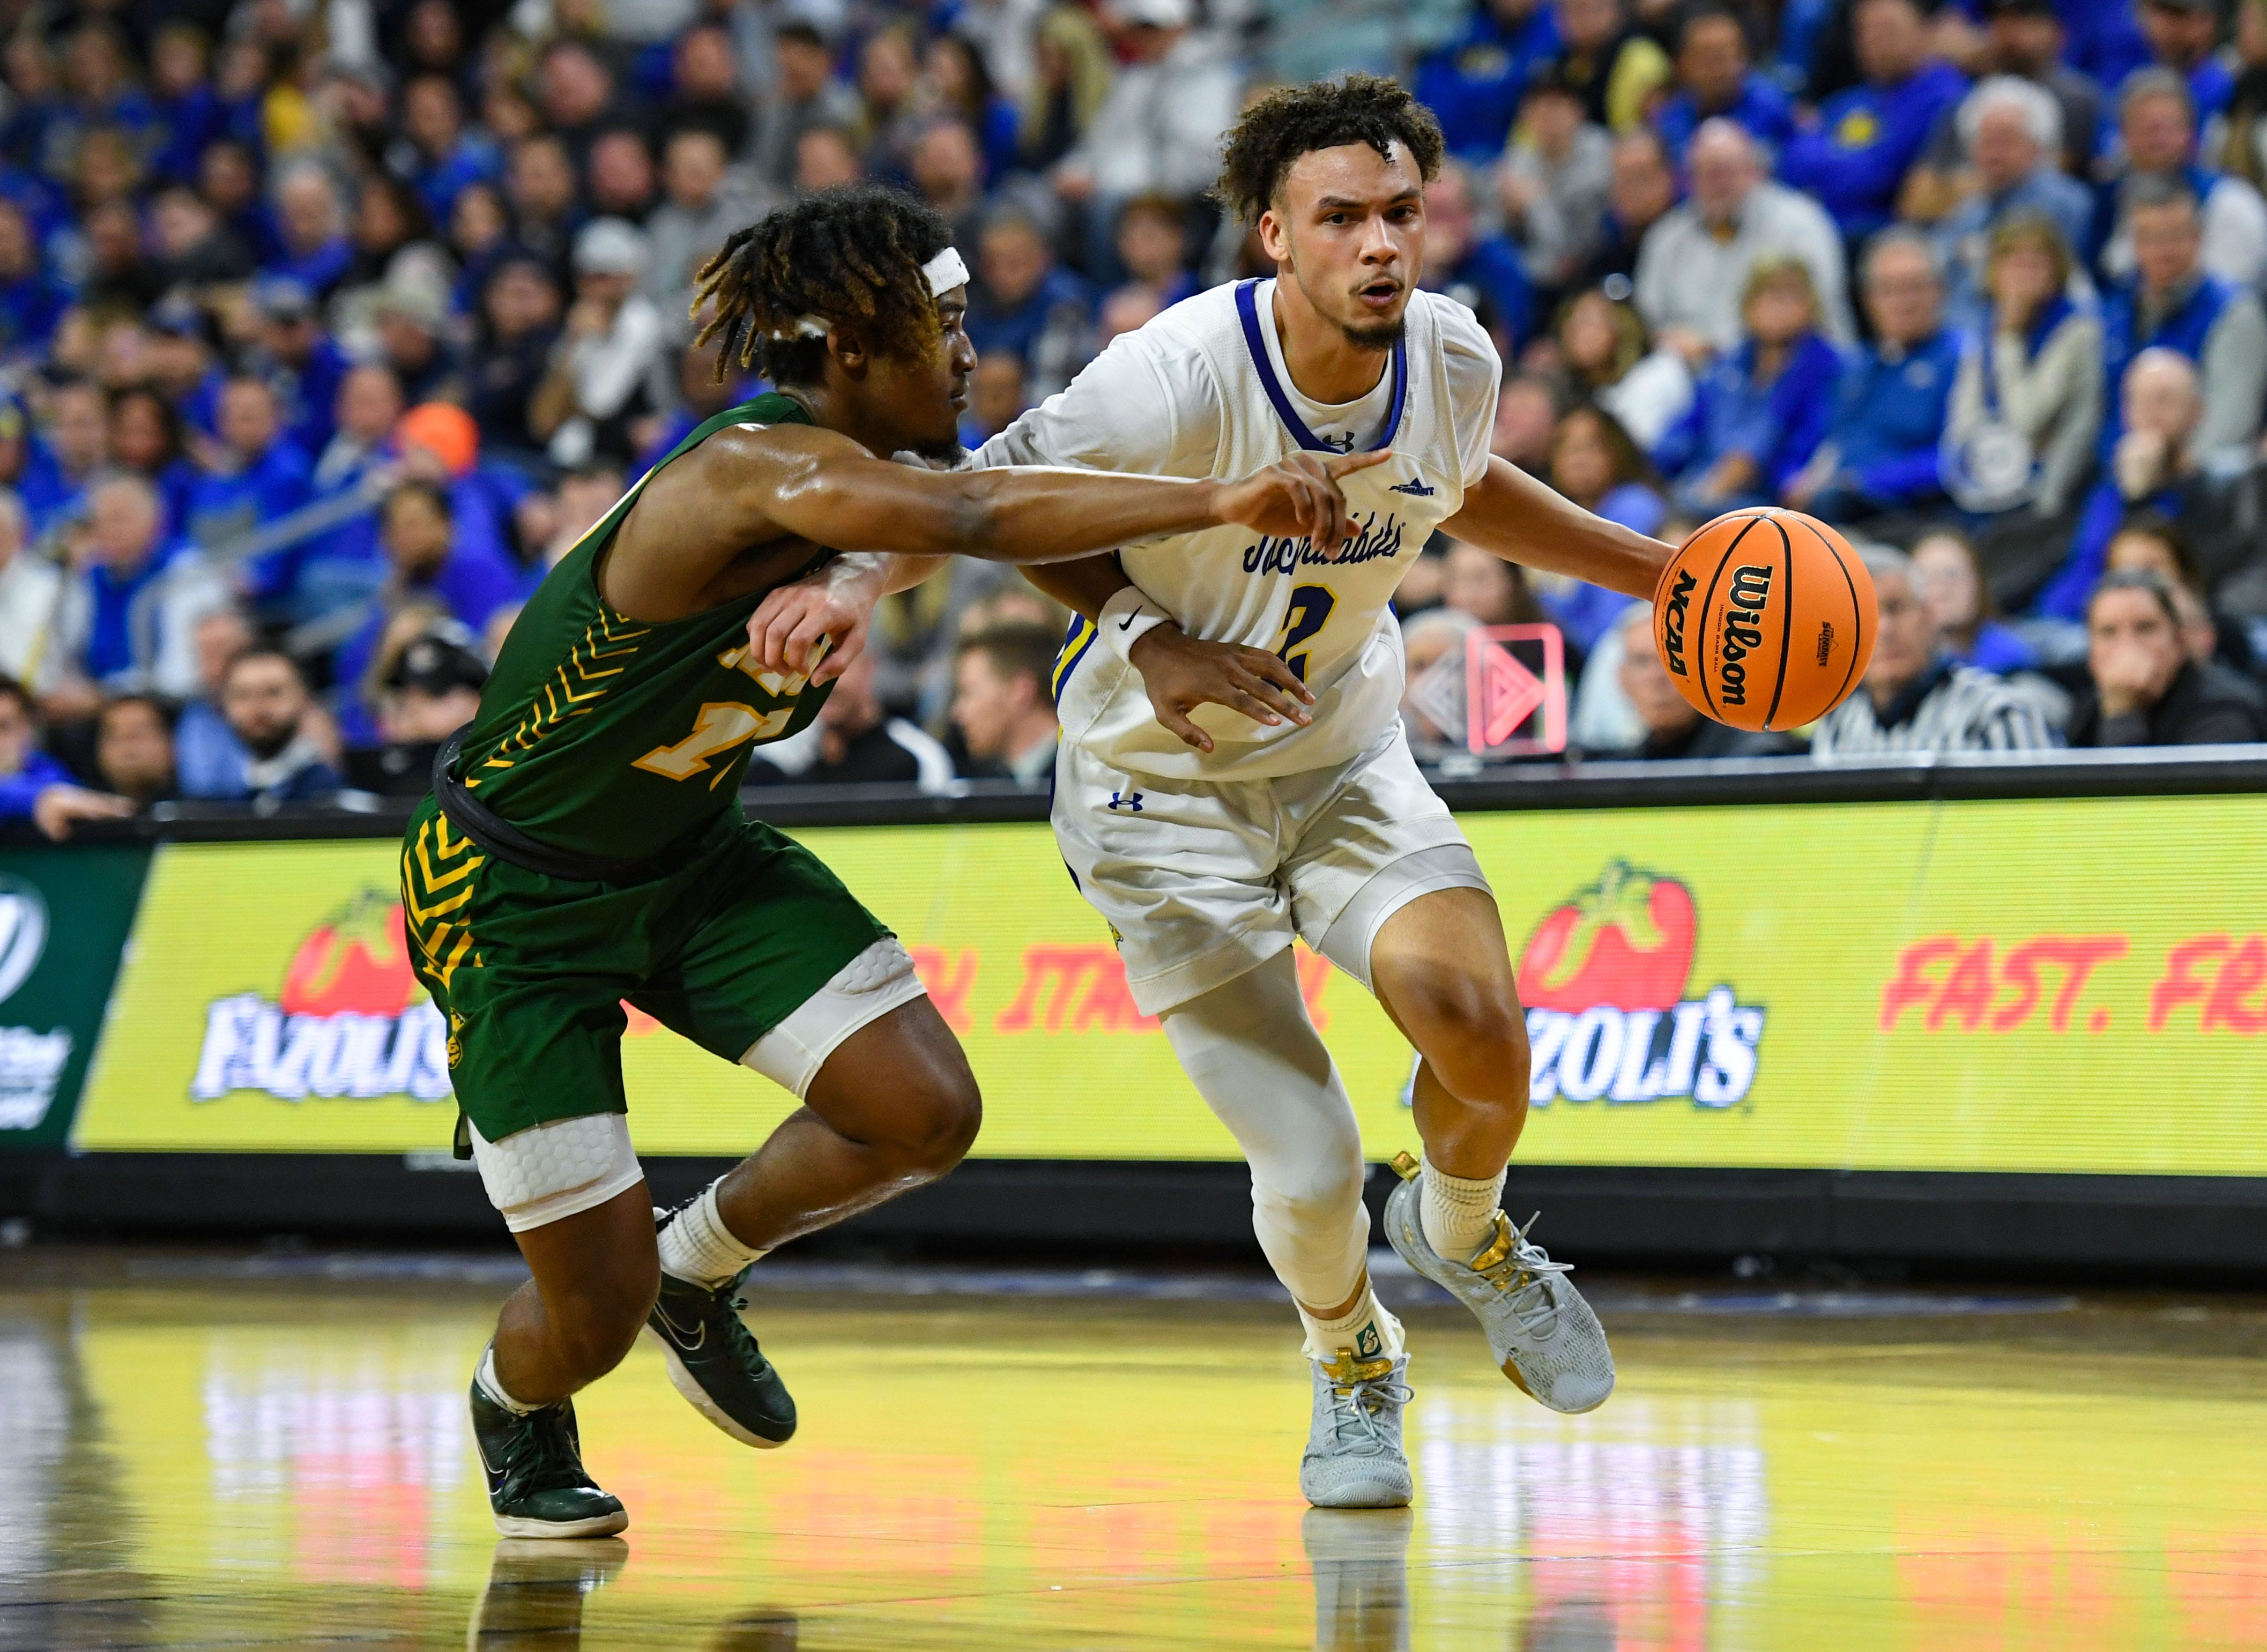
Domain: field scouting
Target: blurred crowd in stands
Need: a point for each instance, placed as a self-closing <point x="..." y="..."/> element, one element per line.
<point x="328" y="325"/>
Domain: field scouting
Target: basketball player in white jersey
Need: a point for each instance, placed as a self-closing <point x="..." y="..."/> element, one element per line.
<point x="1233" y="771"/>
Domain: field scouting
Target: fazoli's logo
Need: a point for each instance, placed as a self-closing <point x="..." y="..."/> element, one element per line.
<point x="347" y="1019"/>
<point x="1606" y="976"/>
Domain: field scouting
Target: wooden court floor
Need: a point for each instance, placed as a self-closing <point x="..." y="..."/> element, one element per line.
<point x="197" y="1459"/>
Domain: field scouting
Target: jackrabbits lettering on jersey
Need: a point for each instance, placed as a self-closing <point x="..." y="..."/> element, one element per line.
<point x="1202" y="390"/>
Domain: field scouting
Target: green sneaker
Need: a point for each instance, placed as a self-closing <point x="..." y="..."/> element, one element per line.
<point x="536" y="1485"/>
<point x="714" y="1364"/>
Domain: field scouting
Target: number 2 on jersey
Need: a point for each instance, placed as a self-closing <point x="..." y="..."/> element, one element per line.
<point x="1309" y="610"/>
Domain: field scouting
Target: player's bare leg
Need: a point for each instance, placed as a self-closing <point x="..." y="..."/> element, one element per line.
<point x="894" y="1107"/>
<point x="891" y="1106"/>
<point x="1442" y="971"/>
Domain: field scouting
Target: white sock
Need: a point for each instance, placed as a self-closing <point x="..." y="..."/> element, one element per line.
<point x="1458" y="1216"/>
<point x="1366" y="1330"/>
<point x="698" y="1247"/>
<point x="490" y="1385"/>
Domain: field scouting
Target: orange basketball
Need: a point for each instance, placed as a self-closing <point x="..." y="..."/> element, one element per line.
<point x="1765" y="619"/>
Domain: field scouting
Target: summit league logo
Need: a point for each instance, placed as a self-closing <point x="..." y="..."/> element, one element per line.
<point x="31" y="1061"/>
<point x="1606" y="978"/>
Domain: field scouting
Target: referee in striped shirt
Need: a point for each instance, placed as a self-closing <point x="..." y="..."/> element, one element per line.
<point x="1914" y="697"/>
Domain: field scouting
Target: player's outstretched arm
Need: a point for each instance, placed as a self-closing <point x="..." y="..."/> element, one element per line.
<point x="1518" y="519"/>
<point x="828" y="489"/>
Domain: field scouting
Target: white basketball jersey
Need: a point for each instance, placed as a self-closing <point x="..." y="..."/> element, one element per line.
<point x="1201" y="391"/>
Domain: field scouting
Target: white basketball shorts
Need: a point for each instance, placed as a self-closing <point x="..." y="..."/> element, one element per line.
<point x="1201" y="881"/>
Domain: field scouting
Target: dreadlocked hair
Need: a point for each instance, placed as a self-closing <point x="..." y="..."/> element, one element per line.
<point x="850" y="256"/>
<point x="1295" y="120"/>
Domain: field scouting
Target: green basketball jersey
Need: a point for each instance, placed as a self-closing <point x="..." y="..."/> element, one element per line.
<point x="608" y="736"/>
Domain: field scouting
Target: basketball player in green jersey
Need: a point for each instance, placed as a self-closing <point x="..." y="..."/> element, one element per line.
<point x="584" y="847"/>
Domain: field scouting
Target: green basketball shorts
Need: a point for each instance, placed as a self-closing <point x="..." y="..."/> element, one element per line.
<point x="533" y="971"/>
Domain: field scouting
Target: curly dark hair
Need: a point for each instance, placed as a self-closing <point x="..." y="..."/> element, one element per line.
<point x="1292" y="121"/>
<point x="850" y="255"/>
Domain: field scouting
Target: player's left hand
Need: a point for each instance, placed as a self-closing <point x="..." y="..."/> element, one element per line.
<point x="1181" y="672"/>
<point x="833" y="606"/>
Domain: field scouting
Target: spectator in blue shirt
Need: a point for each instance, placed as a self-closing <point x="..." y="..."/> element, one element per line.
<point x="65" y="454"/>
<point x="1716" y="75"/>
<point x="301" y="362"/>
<point x="1475" y="83"/>
<point x="1880" y="454"/>
<point x="189" y="115"/>
<point x="33" y="786"/>
<point x="127" y="622"/>
<point x="316" y="252"/>
<point x="1482" y="272"/>
<point x="2157" y="126"/>
<point x="264" y="696"/>
<point x="30" y="301"/>
<point x="263" y="476"/>
<point x="1854" y="161"/>
<point x="208" y="757"/>
<point x="145" y="437"/>
<point x="38" y="105"/>
<point x="1595" y="464"/>
<point x="1759" y="411"/>
<point x="1951" y="585"/>
<point x="2154" y="466"/>
<point x="2172" y="302"/>
<point x="98" y="69"/>
<point x="429" y="569"/>
<point x="2183" y="36"/>
<point x="1024" y="303"/>
<point x="2012" y="131"/>
<point x="441" y="155"/>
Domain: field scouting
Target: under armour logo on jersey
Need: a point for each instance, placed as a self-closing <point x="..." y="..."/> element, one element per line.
<point x="1414" y="487"/>
<point x="1126" y="800"/>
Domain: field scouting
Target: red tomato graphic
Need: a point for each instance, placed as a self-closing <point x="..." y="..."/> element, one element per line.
<point x="1625" y="941"/>
<point x="356" y="960"/>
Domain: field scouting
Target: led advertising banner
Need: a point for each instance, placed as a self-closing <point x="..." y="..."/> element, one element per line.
<point x="2038" y="986"/>
<point x="63" y="918"/>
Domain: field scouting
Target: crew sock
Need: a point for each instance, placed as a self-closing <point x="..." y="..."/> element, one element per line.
<point x="1458" y="1215"/>
<point x="1366" y="1328"/>
<point x="697" y="1246"/>
<point x="492" y="1387"/>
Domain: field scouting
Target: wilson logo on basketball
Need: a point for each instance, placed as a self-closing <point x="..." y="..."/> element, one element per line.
<point x="349" y="1019"/>
<point x="1606" y="976"/>
<point x="1743" y="631"/>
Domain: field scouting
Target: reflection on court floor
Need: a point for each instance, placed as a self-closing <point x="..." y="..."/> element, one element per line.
<point x="283" y="1464"/>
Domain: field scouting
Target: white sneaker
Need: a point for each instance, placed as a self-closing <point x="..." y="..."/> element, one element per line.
<point x="1542" y="1334"/>
<point x="1353" y="1457"/>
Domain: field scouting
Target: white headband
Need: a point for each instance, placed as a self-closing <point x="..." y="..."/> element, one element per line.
<point x="943" y="273"/>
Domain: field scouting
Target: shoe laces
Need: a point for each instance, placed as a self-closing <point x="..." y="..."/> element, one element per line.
<point x="1524" y="1272"/>
<point x="1358" y="1403"/>
<point x="542" y="1454"/>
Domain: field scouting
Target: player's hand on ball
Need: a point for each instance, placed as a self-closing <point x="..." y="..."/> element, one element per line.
<point x="825" y="614"/>
<point x="1182" y="673"/>
<point x="1299" y="498"/>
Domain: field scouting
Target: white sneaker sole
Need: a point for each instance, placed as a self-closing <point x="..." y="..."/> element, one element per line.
<point x="697" y="1397"/>
<point x="597" y="1526"/>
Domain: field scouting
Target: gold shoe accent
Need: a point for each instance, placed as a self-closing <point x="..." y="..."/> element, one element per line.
<point x="1405" y="1167"/>
<point x="1346" y="1370"/>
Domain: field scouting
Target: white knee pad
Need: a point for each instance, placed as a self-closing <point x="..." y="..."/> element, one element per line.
<point x="1257" y="1060"/>
<point x="862" y="991"/>
<point x="554" y="1170"/>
